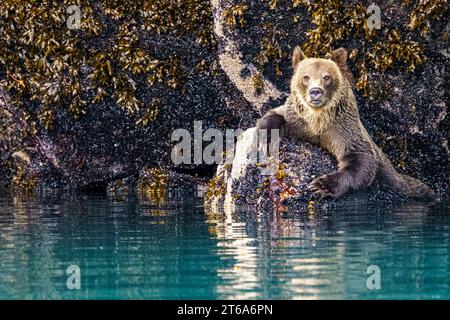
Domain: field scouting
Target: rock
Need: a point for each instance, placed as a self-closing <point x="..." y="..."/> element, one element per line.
<point x="106" y="141"/>
<point x="238" y="71"/>
<point x="230" y="82"/>
<point x="107" y="144"/>
<point x="13" y="130"/>
<point x="406" y="113"/>
<point x="244" y="185"/>
<point x="157" y="185"/>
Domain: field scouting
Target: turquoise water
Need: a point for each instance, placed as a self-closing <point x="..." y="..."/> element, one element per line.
<point x="134" y="249"/>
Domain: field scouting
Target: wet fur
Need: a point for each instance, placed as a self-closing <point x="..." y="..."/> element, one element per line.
<point x="337" y="128"/>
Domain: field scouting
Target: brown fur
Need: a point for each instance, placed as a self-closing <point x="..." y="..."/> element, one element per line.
<point x="335" y="126"/>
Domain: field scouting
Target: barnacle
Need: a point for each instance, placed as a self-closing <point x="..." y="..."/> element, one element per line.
<point x="118" y="189"/>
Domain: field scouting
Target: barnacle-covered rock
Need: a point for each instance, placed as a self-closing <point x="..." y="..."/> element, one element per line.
<point x="100" y="101"/>
<point x="14" y="151"/>
<point x="97" y="103"/>
<point x="400" y="70"/>
<point x="157" y="185"/>
<point x="246" y="184"/>
<point x="5" y="120"/>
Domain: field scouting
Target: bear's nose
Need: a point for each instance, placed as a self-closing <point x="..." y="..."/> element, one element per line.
<point x="315" y="93"/>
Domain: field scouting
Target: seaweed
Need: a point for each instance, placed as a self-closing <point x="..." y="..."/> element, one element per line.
<point x="333" y="23"/>
<point x="51" y="71"/>
<point x="235" y="15"/>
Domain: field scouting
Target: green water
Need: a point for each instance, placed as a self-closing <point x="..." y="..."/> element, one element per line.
<point x="134" y="249"/>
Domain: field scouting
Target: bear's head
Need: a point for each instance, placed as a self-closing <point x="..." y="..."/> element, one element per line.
<point x="319" y="83"/>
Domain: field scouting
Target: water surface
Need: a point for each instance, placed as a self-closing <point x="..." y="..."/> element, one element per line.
<point x="134" y="249"/>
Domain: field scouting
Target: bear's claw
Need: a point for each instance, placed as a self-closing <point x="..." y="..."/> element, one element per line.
<point x="325" y="186"/>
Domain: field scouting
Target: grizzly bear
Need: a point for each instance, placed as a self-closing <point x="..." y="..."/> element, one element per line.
<point x="322" y="110"/>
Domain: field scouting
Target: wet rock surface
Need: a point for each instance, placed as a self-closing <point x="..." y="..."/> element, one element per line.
<point x="399" y="120"/>
<point x="106" y="141"/>
<point x="243" y="184"/>
<point x="406" y="113"/>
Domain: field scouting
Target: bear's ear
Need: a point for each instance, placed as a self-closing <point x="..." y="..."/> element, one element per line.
<point x="340" y="57"/>
<point x="297" y="56"/>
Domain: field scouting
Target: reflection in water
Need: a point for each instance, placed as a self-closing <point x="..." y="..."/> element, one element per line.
<point x="20" y="272"/>
<point x="326" y="254"/>
<point x="240" y="280"/>
<point x="136" y="248"/>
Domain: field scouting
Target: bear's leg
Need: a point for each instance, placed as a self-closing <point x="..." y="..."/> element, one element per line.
<point x="272" y="121"/>
<point x="356" y="170"/>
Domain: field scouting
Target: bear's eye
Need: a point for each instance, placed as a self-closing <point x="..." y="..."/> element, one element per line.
<point x="306" y="78"/>
<point x="326" y="78"/>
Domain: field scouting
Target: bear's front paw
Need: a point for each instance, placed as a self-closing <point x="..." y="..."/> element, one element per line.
<point x="326" y="186"/>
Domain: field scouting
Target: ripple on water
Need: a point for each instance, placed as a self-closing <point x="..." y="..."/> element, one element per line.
<point x="132" y="249"/>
